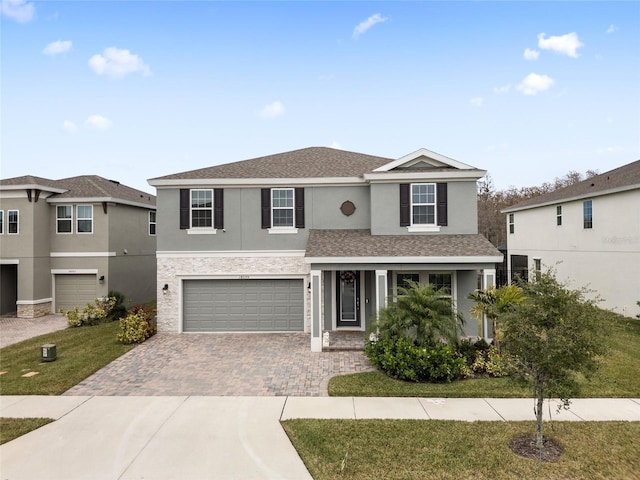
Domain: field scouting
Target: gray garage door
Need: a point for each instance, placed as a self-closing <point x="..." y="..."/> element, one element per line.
<point x="72" y="290"/>
<point x="243" y="305"/>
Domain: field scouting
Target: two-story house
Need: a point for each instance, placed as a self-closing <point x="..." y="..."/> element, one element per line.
<point x="589" y="233"/>
<point x="315" y="240"/>
<point x="65" y="242"/>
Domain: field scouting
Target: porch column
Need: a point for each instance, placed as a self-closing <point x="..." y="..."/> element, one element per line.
<point x="488" y="281"/>
<point x="316" y="318"/>
<point x="381" y="289"/>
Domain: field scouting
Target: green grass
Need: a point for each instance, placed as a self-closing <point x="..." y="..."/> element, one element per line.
<point x="81" y="352"/>
<point x="615" y="378"/>
<point x="11" y="428"/>
<point x="435" y="449"/>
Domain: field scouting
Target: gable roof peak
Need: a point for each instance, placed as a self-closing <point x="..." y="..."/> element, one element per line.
<point x="427" y="157"/>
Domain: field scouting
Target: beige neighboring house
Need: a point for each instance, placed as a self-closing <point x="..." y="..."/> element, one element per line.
<point x="65" y="242"/>
<point x="588" y="232"/>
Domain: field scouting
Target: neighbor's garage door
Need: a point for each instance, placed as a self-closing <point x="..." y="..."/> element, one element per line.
<point x="72" y="290"/>
<point x="243" y="305"/>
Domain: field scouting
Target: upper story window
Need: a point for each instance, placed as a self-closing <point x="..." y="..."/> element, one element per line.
<point x="282" y="207"/>
<point x="559" y="215"/>
<point x="423" y="204"/>
<point x="587" y="214"/>
<point x="84" y="214"/>
<point x="1" y="222"/>
<point x="13" y="222"/>
<point x="64" y="220"/>
<point x="202" y="208"/>
<point x="152" y="222"/>
<point x="512" y="225"/>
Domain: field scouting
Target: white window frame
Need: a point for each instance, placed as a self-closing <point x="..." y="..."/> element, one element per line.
<point x="558" y="215"/>
<point x="192" y="209"/>
<point x="70" y="219"/>
<point x="425" y="204"/>
<point x="284" y="228"/>
<point x="512" y="223"/>
<point x="584" y="215"/>
<point x="1" y="222"/>
<point x="537" y="268"/>
<point x="423" y="276"/>
<point x="17" y="222"/>
<point x="153" y="223"/>
<point x="84" y="219"/>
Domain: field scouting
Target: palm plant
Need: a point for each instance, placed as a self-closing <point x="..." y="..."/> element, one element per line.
<point x="492" y="302"/>
<point x="421" y="314"/>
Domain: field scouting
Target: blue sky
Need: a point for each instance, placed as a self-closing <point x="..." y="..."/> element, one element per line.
<point x="135" y="90"/>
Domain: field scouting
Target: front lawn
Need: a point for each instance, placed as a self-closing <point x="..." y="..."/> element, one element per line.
<point x="616" y="377"/>
<point x="11" y="428"/>
<point x="81" y="352"/>
<point x="436" y="449"/>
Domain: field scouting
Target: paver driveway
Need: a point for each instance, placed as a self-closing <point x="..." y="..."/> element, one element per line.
<point x="223" y="364"/>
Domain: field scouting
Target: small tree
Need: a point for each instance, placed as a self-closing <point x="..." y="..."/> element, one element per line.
<point x="422" y="314"/>
<point x="554" y="334"/>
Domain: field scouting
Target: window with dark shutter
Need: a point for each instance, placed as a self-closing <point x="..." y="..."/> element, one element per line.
<point x="185" y="222"/>
<point x="218" y="208"/>
<point x="405" y="205"/>
<point x="299" y="204"/>
<point x="441" y="199"/>
<point x="265" y="196"/>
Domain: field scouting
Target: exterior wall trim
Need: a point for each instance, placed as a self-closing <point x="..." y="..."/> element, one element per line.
<point x="9" y="261"/>
<point x="410" y="260"/>
<point x="231" y="254"/>
<point x="83" y="254"/>
<point x="71" y="271"/>
<point x="34" y="302"/>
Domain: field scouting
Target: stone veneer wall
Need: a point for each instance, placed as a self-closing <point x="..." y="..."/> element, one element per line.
<point x="172" y="270"/>
<point x="34" y="311"/>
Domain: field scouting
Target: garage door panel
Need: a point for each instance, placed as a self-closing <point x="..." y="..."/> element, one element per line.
<point x="74" y="290"/>
<point x="243" y="305"/>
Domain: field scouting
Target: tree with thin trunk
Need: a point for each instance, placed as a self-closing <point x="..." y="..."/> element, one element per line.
<point x="492" y="302"/>
<point x="554" y="335"/>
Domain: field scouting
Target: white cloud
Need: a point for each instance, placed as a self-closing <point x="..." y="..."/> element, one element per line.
<point x="272" y="110"/>
<point x="530" y="54"/>
<point x="98" y="122"/>
<point x="362" y="27"/>
<point x="567" y="44"/>
<point x="336" y="145"/>
<point x="534" y="84"/>
<point x="609" y="120"/>
<point x="477" y="101"/>
<point x="57" y="47"/>
<point x="117" y="63"/>
<point x="502" y="89"/>
<point x="69" y="126"/>
<point x="612" y="28"/>
<point x="18" y="10"/>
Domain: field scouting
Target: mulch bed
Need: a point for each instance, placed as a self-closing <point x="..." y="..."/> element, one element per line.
<point x="525" y="446"/>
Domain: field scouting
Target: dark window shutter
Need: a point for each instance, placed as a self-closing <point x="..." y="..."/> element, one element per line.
<point x="218" y="208"/>
<point x="441" y="194"/>
<point x="184" y="208"/>
<point x="405" y="204"/>
<point x="266" y="207"/>
<point x="299" y="201"/>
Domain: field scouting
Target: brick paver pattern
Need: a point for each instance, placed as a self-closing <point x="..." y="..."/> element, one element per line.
<point x="228" y="364"/>
<point x="14" y="330"/>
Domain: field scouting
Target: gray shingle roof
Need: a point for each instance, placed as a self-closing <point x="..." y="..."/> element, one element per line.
<point x="85" y="186"/>
<point x="360" y="243"/>
<point x="312" y="162"/>
<point x="627" y="176"/>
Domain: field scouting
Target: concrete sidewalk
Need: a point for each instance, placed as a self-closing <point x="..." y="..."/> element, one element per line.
<point x="222" y="437"/>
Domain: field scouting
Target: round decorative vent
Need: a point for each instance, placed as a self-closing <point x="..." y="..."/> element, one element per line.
<point x="347" y="208"/>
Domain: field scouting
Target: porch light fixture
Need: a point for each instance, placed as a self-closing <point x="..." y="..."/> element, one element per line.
<point x="309" y="287"/>
<point x="101" y="279"/>
<point x="165" y="289"/>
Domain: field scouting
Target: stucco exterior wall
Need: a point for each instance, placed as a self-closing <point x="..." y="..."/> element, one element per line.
<point x="605" y="258"/>
<point x="173" y="269"/>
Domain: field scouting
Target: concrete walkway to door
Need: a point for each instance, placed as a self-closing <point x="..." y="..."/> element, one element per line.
<point x="223" y="364"/>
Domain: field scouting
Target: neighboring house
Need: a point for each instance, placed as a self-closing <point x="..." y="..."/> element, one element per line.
<point x="588" y="232"/>
<point x="65" y="242"/>
<point x="315" y="240"/>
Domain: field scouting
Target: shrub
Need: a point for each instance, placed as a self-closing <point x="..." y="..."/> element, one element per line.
<point x="493" y="363"/>
<point x="469" y="349"/>
<point x="137" y="326"/>
<point x="119" y="309"/>
<point x="92" y="314"/>
<point x="402" y="359"/>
